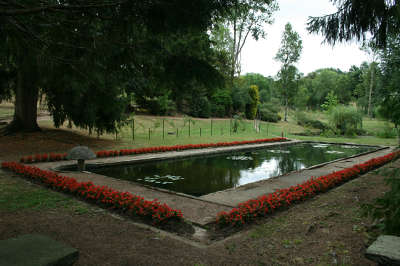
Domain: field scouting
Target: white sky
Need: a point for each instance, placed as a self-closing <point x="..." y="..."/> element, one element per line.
<point x="258" y="56"/>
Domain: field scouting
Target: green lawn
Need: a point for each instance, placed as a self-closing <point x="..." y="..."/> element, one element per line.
<point x="6" y="110"/>
<point x="156" y="131"/>
<point x="17" y="194"/>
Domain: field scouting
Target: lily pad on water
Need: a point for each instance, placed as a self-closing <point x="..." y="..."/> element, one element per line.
<point x="161" y="179"/>
<point x="348" y="147"/>
<point x="279" y="151"/>
<point x="320" y="145"/>
<point x="240" y="158"/>
<point x="335" y="152"/>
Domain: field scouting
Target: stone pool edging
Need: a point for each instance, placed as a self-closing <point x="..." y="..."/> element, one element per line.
<point x="102" y="196"/>
<point x="35" y="171"/>
<point x="51" y="157"/>
<point x="198" y="210"/>
<point x="247" y="211"/>
<point x="160" y="156"/>
<point x="62" y="166"/>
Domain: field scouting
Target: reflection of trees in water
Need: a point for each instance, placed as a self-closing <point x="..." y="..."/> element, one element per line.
<point x="209" y="174"/>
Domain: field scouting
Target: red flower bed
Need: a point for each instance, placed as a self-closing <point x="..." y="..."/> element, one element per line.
<point x="111" y="153"/>
<point x="44" y="158"/>
<point x="102" y="195"/>
<point x="249" y="210"/>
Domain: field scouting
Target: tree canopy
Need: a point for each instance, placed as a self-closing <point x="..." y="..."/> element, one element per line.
<point x="288" y="54"/>
<point x="390" y="62"/>
<point x="87" y="56"/>
<point x="355" y="18"/>
<point x="245" y="18"/>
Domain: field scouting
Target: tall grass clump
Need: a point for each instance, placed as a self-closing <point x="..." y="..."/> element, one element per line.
<point x="346" y="120"/>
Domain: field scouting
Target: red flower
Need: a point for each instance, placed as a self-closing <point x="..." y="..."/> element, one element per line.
<point x="102" y="195"/>
<point x="253" y="208"/>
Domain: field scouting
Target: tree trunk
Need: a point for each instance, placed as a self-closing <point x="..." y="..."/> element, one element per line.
<point x="398" y="134"/>
<point x="233" y="54"/>
<point x="286" y="107"/>
<point x="26" y="97"/>
<point x="371" y="85"/>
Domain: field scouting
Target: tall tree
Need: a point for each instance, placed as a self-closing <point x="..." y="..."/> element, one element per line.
<point x="221" y="42"/>
<point x="247" y="17"/>
<point x="355" y="18"/>
<point x="372" y="52"/>
<point x="87" y="55"/>
<point x="288" y="54"/>
<point x="390" y="63"/>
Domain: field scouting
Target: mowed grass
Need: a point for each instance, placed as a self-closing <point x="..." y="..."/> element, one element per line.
<point x="17" y="194"/>
<point x="157" y="131"/>
<point x="6" y="110"/>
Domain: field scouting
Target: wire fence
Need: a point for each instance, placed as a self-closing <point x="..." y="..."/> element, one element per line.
<point x="167" y="128"/>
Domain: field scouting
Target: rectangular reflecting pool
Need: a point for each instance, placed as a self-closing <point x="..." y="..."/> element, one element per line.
<point x="198" y="176"/>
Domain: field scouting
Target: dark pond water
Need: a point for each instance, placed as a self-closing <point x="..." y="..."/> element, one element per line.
<point x="202" y="175"/>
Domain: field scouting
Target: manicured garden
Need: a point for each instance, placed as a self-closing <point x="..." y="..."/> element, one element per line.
<point x="158" y="213"/>
<point x="283" y="198"/>
<point x="112" y="153"/>
<point x="340" y="216"/>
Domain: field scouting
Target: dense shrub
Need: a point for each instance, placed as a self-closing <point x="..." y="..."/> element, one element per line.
<point x="386" y="209"/>
<point x="269" y="112"/>
<point x="346" y="120"/>
<point x="160" y="105"/>
<point x="304" y="121"/>
<point x="218" y="110"/>
<point x="201" y="107"/>
<point x="221" y="103"/>
<point x="237" y="123"/>
<point x="387" y="132"/>
<point x="331" y="101"/>
<point x="251" y="107"/>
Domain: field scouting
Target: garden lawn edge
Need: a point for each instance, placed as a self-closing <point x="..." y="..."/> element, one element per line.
<point x="103" y="196"/>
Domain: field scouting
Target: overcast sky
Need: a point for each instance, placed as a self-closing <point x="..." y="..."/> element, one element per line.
<point x="258" y="56"/>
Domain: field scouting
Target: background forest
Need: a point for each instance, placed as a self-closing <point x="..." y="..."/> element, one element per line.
<point x="97" y="64"/>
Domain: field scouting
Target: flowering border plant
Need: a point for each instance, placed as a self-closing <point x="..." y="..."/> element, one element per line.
<point x="102" y="195"/>
<point x="111" y="153"/>
<point x="281" y="198"/>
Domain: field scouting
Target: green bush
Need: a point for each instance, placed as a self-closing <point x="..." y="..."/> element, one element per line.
<point x="160" y="105"/>
<point x="237" y="123"/>
<point x="386" y="209"/>
<point x="346" y="120"/>
<point x="304" y="121"/>
<point x="331" y="101"/>
<point x="201" y="107"/>
<point x="221" y="103"/>
<point x="387" y="132"/>
<point x="328" y="133"/>
<point x="269" y="112"/>
<point x="217" y="110"/>
<point x="251" y="107"/>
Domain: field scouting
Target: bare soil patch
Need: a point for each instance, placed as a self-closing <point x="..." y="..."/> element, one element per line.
<point x="13" y="147"/>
